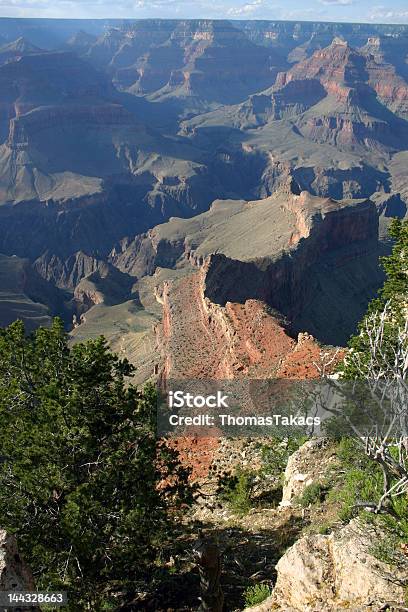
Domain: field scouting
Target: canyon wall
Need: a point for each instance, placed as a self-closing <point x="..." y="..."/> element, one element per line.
<point x="283" y="283"/>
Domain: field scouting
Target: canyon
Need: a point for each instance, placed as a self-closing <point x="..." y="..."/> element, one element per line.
<point x="213" y="197"/>
<point x="199" y="187"/>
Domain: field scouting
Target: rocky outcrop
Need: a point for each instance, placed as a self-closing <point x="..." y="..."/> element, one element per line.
<point x="308" y="465"/>
<point x="352" y="80"/>
<point x="25" y="295"/>
<point x="321" y="573"/>
<point x="288" y="101"/>
<point x="206" y="238"/>
<point x="15" y="575"/>
<point x="344" y="131"/>
<point x="67" y="78"/>
<point x="118" y="48"/>
<point x="299" y="39"/>
<point x="337" y="72"/>
<point x="337" y="64"/>
<point x="281" y="283"/>
<point x="26" y="126"/>
<point x="81" y="41"/>
<point x="147" y="252"/>
<point x="219" y="67"/>
<point x="340" y="96"/>
<point x="88" y="214"/>
<point x="237" y="340"/>
<point x="19" y="47"/>
<point x="235" y="310"/>
<point x="357" y="181"/>
<point x="32" y="80"/>
<point x="90" y="280"/>
<point x="153" y="70"/>
<point x="67" y="273"/>
<point x="104" y="286"/>
<point x="387" y="67"/>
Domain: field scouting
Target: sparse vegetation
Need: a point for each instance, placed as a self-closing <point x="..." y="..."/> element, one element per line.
<point x="378" y="476"/>
<point x="237" y="490"/>
<point x="256" y="594"/>
<point x="313" y="494"/>
<point x="324" y="528"/>
<point x="359" y="480"/>
<point x="385" y="550"/>
<point x="366" y="356"/>
<point x="275" y="454"/>
<point x="245" y="488"/>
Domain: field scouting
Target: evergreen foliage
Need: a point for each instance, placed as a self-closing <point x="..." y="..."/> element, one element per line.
<point x="83" y="481"/>
<point x="393" y="299"/>
<point x="380" y="352"/>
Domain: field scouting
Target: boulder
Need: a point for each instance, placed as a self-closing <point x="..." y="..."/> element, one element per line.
<point x="306" y="466"/>
<point x="14" y="573"/>
<point x="328" y="573"/>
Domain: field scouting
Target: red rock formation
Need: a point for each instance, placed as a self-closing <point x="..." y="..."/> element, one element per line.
<point x="354" y="82"/>
<point x="200" y="339"/>
<point x="337" y="67"/>
<point x="204" y="336"/>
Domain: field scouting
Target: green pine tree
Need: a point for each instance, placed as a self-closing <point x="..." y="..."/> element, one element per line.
<point x="83" y="482"/>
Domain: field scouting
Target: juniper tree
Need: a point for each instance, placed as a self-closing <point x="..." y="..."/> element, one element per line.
<point x="379" y="355"/>
<point x="83" y="482"/>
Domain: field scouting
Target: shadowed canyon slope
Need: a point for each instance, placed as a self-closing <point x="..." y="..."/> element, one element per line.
<point x="164" y="177"/>
<point x="227" y="290"/>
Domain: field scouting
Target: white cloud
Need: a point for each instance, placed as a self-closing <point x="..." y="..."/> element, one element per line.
<point x="246" y="9"/>
<point x="394" y="11"/>
<point x="337" y="2"/>
<point x="381" y="13"/>
<point x="255" y="8"/>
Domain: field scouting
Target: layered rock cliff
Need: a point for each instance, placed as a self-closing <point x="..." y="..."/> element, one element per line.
<point x="88" y="171"/>
<point x="210" y="60"/>
<point x="25" y="127"/>
<point x="238" y="313"/>
<point x="25" y="295"/>
<point x="200" y="339"/>
<point x="342" y="96"/>
<point x="327" y="227"/>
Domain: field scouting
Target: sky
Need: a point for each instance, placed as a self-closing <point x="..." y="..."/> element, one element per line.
<point x="371" y="11"/>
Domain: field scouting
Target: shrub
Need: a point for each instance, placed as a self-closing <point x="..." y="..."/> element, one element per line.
<point x="313" y="494"/>
<point x="276" y="453"/>
<point x="394" y="294"/>
<point x="256" y="594"/>
<point x="385" y="550"/>
<point x="324" y="528"/>
<point x="237" y="490"/>
<point x="361" y="480"/>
